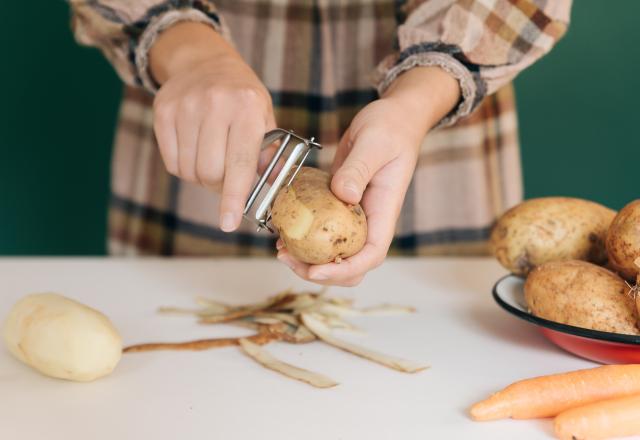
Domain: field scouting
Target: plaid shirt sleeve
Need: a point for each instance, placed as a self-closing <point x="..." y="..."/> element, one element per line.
<point x="125" y="30"/>
<point x="484" y="44"/>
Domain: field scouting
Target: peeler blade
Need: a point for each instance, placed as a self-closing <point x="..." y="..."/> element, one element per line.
<point x="258" y="206"/>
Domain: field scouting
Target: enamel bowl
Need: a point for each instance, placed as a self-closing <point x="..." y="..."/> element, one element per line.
<point x="603" y="347"/>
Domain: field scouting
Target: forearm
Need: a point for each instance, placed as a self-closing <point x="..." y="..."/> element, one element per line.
<point x="184" y="45"/>
<point x="107" y="25"/>
<point x="427" y="93"/>
<point x="483" y="64"/>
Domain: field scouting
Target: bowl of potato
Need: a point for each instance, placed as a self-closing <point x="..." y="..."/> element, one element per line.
<point x="575" y="273"/>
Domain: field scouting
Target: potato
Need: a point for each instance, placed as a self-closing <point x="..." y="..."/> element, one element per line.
<point x="583" y="295"/>
<point x="315" y="226"/>
<point x="636" y="288"/>
<point x="550" y="229"/>
<point x="62" y="338"/>
<point x="623" y="241"/>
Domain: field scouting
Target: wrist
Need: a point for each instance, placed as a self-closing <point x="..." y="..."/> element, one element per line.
<point x="183" y="46"/>
<point x="426" y="95"/>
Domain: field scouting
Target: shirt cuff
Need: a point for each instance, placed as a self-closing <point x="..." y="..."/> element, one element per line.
<point x="472" y="88"/>
<point x="155" y="27"/>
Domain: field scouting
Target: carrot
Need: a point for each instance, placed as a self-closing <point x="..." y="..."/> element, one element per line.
<point x="548" y="396"/>
<point x="618" y="417"/>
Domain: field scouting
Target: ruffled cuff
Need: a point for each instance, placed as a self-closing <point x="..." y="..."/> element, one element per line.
<point x="472" y="87"/>
<point x="154" y="27"/>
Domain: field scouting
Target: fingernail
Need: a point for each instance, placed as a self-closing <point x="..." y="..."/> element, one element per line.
<point x="228" y="222"/>
<point x="279" y="244"/>
<point x="351" y="187"/>
<point x="319" y="276"/>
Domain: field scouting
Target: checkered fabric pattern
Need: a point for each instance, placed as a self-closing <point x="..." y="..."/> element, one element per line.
<point x="322" y="61"/>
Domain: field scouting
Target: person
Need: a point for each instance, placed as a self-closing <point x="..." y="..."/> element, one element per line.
<point x="411" y="99"/>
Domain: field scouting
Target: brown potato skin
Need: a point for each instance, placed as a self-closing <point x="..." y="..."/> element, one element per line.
<point x="337" y="230"/>
<point x="550" y="229"/>
<point x="636" y="289"/>
<point x="623" y="241"/>
<point x="583" y="295"/>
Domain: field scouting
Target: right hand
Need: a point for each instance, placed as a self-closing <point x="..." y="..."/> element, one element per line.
<point x="210" y="115"/>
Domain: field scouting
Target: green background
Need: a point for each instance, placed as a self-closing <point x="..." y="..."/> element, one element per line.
<point x="578" y="118"/>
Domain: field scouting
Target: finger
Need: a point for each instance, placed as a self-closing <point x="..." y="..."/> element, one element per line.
<point x="164" y="127"/>
<point x="279" y="244"/>
<point x="358" y="168"/>
<point x="344" y="147"/>
<point x="210" y="159"/>
<point x="271" y="123"/>
<point x="266" y="156"/>
<point x="298" y="267"/>
<point x="241" y="164"/>
<point x="302" y="270"/>
<point x="269" y="151"/>
<point x="352" y="282"/>
<point x="369" y="257"/>
<point x="188" y="126"/>
<point x="381" y="204"/>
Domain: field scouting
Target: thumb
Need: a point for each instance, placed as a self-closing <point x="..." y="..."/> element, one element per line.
<point x="351" y="178"/>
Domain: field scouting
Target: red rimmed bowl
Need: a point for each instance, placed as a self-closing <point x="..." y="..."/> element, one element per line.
<point x="603" y="347"/>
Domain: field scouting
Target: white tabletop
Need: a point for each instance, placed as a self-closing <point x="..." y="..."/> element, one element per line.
<point x="474" y="348"/>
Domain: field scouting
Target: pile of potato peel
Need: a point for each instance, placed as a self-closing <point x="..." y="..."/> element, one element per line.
<point x="581" y="261"/>
<point x="296" y="318"/>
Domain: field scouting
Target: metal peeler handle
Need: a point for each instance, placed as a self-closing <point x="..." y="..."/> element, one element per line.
<point x="294" y="161"/>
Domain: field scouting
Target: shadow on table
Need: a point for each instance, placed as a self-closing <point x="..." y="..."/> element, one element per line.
<point x="239" y="279"/>
<point x="501" y="326"/>
<point x="472" y="281"/>
<point x="455" y="275"/>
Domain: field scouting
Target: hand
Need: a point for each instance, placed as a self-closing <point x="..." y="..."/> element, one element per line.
<point x="210" y="115"/>
<point x="374" y="164"/>
<point x="379" y="152"/>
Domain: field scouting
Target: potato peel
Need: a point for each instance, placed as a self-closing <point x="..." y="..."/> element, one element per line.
<point x="292" y="318"/>
<point x="321" y="331"/>
<point x="380" y="310"/>
<point x="264" y="358"/>
<point x="386" y="309"/>
<point x="246" y="310"/>
<point x="334" y="322"/>
<point x="197" y="345"/>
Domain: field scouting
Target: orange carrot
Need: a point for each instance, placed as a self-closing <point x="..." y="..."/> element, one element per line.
<point x="618" y="417"/>
<point x="547" y="396"/>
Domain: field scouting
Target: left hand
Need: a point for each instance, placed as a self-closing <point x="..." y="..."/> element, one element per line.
<point x="374" y="164"/>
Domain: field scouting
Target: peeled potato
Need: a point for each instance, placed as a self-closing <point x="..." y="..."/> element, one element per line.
<point x="62" y="338"/>
<point x="623" y="241"/>
<point x="551" y="229"/>
<point x="583" y="295"/>
<point x="315" y="226"/>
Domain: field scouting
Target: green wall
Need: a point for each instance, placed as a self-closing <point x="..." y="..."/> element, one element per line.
<point x="578" y="117"/>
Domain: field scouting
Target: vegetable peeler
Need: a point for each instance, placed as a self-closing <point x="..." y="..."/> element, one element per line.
<point x="299" y="150"/>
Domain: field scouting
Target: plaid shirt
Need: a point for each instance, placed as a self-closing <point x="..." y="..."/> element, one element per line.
<point x="322" y="61"/>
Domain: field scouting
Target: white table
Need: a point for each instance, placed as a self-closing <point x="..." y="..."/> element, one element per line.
<point x="474" y="348"/>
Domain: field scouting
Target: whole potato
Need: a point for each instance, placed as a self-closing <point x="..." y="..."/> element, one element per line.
<point x="583" y="295"/>
<point x="315" y="226"/>
<point x="62" y="338"/>
<point x="550" y="229"/>
<point x="623" y="241"/>
<point x="636" y="288"/>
